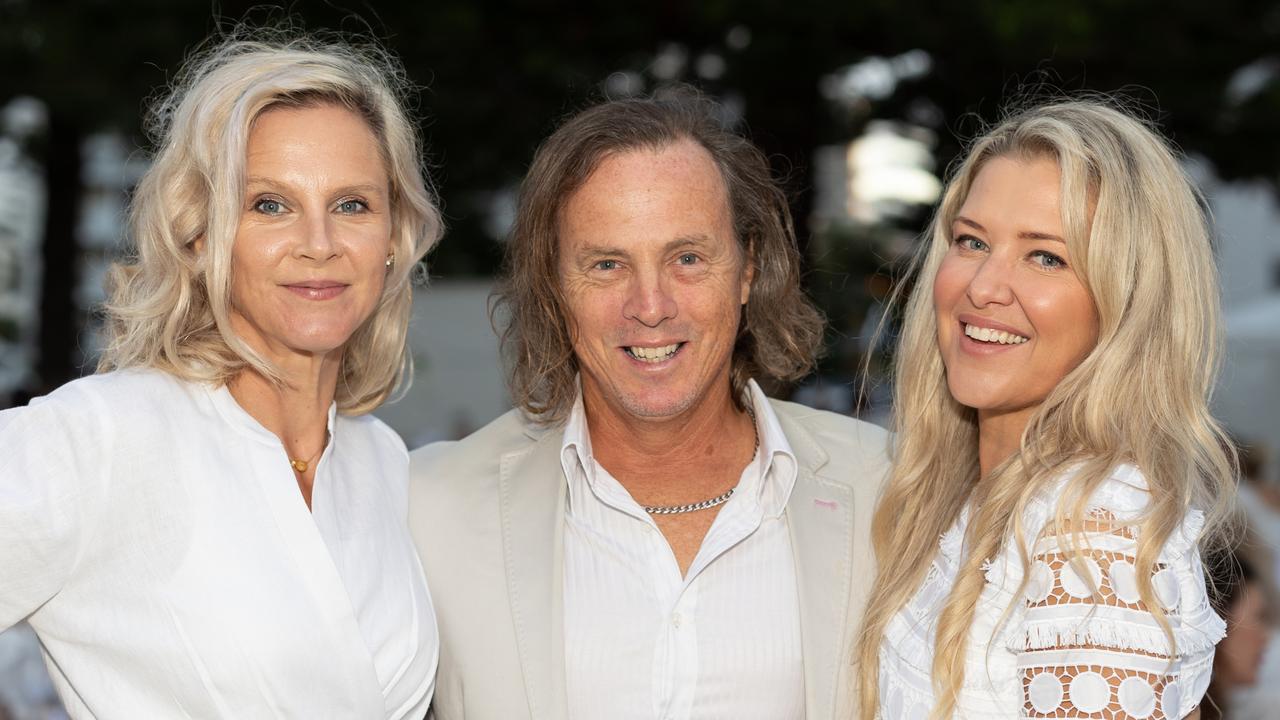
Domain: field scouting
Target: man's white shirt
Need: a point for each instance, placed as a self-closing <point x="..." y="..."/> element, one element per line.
<point x="641" y="641"/>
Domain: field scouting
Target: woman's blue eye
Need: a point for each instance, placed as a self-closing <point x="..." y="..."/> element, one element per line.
<point x="269" y="206"/>
<point x="352" y="206"/>
<point x="1048" y="260"/>
<point x="969" y="242"/>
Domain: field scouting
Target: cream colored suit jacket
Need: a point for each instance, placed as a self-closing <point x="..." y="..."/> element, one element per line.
<point x="487" y="513"/>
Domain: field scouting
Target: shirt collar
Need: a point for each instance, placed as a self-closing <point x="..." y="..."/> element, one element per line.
<point x="773" y="485"/>
<point x="576" y="458"/>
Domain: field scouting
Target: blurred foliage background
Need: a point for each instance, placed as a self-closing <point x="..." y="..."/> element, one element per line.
<point x="496" y="76"/>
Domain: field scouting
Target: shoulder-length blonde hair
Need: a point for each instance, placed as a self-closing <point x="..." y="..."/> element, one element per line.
<point x="780" y="331"/>
<point x="1140" y="244"/>
<point x="169" y="308"/>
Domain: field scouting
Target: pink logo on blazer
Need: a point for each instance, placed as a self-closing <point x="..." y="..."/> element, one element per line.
<point x="828" y="504"/>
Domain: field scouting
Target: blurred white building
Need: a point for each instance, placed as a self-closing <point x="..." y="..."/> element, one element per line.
<point x="458" y="384"/>
<point x="1246" y="217"/>
<point x="22" y="198"/>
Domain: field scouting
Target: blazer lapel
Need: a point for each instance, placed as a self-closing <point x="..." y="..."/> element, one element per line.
<point x="533" y="493"/>
<point x="820" y="518"/>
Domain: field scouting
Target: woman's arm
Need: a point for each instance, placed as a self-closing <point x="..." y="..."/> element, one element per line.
<point x="1091" y="647"/>
<point x="48" y="487"/>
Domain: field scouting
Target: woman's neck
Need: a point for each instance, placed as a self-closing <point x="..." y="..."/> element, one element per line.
<point x="296" y="410"/>
<point x="999" y="436"/>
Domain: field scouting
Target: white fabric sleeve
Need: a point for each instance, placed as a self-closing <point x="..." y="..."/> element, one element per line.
<point x="1088" y="646"/>
<point x="52" y="469"/>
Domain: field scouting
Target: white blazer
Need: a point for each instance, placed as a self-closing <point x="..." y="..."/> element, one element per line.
<point x="487" y="514"/>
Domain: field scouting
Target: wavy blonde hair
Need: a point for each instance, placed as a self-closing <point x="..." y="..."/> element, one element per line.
<point x="1140" y="244"/>
<point x="169" y="306"/>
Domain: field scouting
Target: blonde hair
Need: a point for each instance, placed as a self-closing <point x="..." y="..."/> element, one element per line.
<point x="169" y="308"/>
<point x="1140" y="244"/>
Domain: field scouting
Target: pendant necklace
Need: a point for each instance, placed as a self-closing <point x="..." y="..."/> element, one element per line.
<point x="709" y="502"/>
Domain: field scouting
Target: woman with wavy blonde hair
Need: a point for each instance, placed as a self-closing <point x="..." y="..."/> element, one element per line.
<point x="212" y="526"/>
<point x="1057" y="469"/>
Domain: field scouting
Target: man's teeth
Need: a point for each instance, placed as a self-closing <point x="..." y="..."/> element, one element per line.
<point x="993" y="336"/>
<point x="653" y="354"/>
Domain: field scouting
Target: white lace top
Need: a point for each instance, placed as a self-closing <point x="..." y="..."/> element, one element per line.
<point x="1062" y="651"/>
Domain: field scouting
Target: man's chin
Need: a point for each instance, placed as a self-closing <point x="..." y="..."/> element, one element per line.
<point x="656" y="405"/>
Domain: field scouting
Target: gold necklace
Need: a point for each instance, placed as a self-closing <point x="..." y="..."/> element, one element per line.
<point x="709" y="502"/>
<point x="300" y="466"/>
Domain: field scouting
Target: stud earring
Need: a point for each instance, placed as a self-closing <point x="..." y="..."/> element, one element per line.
<point x="391" y="260"/>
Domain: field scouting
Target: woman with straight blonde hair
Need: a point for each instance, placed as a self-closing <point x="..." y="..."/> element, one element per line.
<point x="212" y="526"/>
<point x="1056" y="466"/>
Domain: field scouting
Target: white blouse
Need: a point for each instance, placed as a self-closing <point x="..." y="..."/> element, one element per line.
<point x="154" y="536"/>
<point x="1061" y="651"/>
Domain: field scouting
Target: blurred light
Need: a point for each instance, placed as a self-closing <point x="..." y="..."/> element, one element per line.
<point x="890" y="170"/>
<point x="923" y="111"/>
<point x="875" y="77"/>
<point x="710" y="66"/>
<point x="669" y="63"/>
<point x="9" y="151"/>
<point x="738" y="37"/>
<point x="912" y="64"/>
<point x="23" y="117"/>
<point x="623" y="84"/>
<point x="733" y="108"/>
<point x="872" y="78"/>
<point x="500" y="212"/>
<point x="1251" y="79"/>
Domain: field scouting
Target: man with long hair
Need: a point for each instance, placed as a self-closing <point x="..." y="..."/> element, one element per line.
<point x="647" y="534"/>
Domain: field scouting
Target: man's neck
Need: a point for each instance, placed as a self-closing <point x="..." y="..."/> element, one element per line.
<point x="711" y="434"/>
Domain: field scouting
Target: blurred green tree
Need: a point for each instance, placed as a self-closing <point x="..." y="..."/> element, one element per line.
<point x="498" y="75"/>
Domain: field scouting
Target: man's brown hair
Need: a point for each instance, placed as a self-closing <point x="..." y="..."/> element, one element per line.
<point x="780" y="333"/>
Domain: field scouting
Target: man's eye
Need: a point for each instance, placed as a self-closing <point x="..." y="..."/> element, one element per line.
<point x="269" y="206"/>
<point x="688" y="259"/>
<point x="607" y="265"/>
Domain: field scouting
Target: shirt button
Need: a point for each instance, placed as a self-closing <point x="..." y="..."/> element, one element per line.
<point x="677" y="620"/>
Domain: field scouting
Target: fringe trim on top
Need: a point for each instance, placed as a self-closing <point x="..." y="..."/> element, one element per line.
<point x="1112" y="634"/>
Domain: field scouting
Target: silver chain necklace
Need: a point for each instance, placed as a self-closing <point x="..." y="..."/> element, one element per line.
<point x="709" y="502"/>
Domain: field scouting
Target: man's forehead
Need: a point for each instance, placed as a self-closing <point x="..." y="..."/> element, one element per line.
<point x="684" y="168"/>
<point x="682" y="157"/>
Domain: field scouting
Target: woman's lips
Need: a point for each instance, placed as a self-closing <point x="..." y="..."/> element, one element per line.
<point x="317" y="291"/>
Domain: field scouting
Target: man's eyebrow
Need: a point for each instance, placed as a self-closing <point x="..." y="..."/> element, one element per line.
<point x="1025" y="234"/>
<point x="683" y="241"/>
<point x="594" y="251"/>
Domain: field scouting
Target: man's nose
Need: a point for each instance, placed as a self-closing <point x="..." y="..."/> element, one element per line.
<point x="649" y="299"/>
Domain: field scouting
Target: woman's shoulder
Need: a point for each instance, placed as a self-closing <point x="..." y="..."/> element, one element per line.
<point x="1121" y="499"/>
<point x="368" y="433"/>
<point x="118" y="397"/>
<point x="1122" y="495"/>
